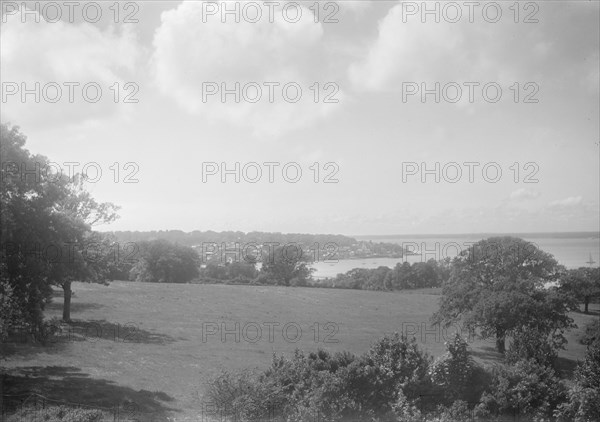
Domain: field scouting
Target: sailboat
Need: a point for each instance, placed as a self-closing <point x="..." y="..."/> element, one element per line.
<point x="591" y="261"/>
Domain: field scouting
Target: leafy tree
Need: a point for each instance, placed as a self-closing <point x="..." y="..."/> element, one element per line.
<point x="583" y="283"/>
<point x="584" y="396"/>
<point x="394" y="365"/>
<point x="45" y="222"/>
<point x="526" y="389"/>
<point x="161" y="261"/>
<point x="591" y="333"/>
<point x="499" y="285"/>
<point x="456" y="374"/>
<point x="285" y="264"/>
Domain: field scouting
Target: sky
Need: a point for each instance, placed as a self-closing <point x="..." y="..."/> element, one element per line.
<point x="373" y="118"/>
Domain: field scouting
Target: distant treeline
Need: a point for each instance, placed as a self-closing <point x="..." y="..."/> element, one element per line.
<point x="403" y="276"/>
<point x="197" y="237"/>
<point x="162" y="261"/>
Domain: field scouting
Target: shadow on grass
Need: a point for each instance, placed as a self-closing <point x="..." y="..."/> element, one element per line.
<point x="130" y="332"/>
<point x="60" y="335"/>
<point x="67" y="384"/>
<point x="75" y="306"/>
<point x="565" y="367"/>
<point x="487" y="354"/>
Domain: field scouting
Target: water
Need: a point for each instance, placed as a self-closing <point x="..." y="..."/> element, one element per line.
<point x="571" y="250"/>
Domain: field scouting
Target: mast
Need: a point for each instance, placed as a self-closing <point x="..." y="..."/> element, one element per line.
<point x="591" y="260"/>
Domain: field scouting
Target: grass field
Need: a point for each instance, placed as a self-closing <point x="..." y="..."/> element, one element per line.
<point x="149" y="348"/>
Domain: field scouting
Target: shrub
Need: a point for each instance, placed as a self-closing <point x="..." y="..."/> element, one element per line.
<point x="458" y="411"/>
<point x="10" y="312"/>
<point x="59" y="413"/>
<point x="531" y="344"/>
<point x="241" y="396"/>
<point x="406" y="410"/>
<point x="584" y="397"/>
<point x="456" y="375"/>
<point x="526" y="389"/>
<point x="393" y="364"/>
<point x="592" y="333"/>
<point x="330" y="387"/>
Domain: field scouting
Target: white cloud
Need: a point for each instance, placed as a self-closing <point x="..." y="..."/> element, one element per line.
<point x="355" y="6"/>
<point x="571" y="201"/>
<point x="524" y="194"/>
<point x="189" y="52"/>
<point x="411" y="50"/>
<point x="59" y="53"/>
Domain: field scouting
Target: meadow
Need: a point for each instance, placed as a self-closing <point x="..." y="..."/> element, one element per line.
<point x="149" y="349"/>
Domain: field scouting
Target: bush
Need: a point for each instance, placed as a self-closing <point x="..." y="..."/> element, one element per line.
<point x="11" y="316"/>
<point x="406" y="410"/>
<point x="458" y="411"/>
<point x="584" y="397"/>
<point x="457" y="376"/>
<point x="393" y="365"/>
<point x="530" y="344"/>
<point x="297" y="388"/>
<point x="332" y="387"/>
<point x="59" y="413"/>
<point x="592" y="333"/>
<point x="526" y="389"/>
<point x="241" y="396"/>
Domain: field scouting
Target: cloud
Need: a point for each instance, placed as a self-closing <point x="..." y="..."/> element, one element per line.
<point x="572" y="201"/>
<point x="191" y="55"/>
<point x="53" y="54"/>
<point x="407" y="49"/>
<point x="353" y="6"/>
<point x="523" y="194"/>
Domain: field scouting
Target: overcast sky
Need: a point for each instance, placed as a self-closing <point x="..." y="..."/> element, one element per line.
<point x="373" y="59"/>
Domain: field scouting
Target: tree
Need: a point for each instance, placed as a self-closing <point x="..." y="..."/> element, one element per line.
<point x="500" y="285"/>
<point x="45" y="223"/>
<point x="584" y="396"/>
<point x="75" y="215"/>
<point x="583" y="283"/>
<point x="526" y="389"/>
<point x="285" y="264"/>
<point x="161" y="261"/>
<point x="457" y="375"/>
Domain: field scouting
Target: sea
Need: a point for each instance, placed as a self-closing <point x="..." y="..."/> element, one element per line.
<point x="573" y="250"/>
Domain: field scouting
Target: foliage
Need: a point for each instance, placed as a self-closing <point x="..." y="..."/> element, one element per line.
<point x="59" y="413"/>
<point x="584" y="396"/>
<point x="583" y="284"/>
<point x="458" y="411"/>
<point x="405" y="410"/>
<point x="10" y="310"/>
<point x="284" y="264"/>
<point x="526" y="389"/>
<point x="498" y="286"/>
<point x="161" y="261"/>
<point x="45" y="223"/>
<point x="456" y="375"/>
<point x="394" y="363"/>
<point x="592" y="333"/>
<point x="403" y="276"/>
<point x="332" y="387"/>
<point x="531" y="344"/>
<point x="230" y="271"/>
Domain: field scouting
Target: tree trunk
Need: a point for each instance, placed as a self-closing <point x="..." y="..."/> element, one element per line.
<point x="586" y="302"/>
<point x="67" y="301"/>
<point x="500" y="340"/>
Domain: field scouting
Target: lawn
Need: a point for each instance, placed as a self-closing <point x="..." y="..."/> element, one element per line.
<point x="148" y="349"/>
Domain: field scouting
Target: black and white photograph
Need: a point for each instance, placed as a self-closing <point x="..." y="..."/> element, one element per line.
<point x="300" y="211"/>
